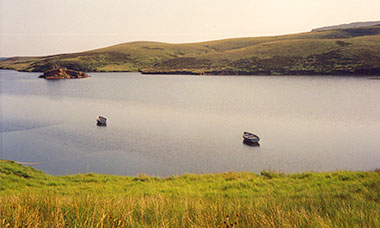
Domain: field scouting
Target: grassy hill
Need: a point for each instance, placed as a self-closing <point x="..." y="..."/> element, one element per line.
<point x="30" y="198"/>
<point x="350" y="25"/>
<point x="353" y="51"/>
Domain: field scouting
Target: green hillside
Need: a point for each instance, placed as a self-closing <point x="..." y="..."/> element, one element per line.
<point x="338" y="51"/>
<point x="30" y="198"/>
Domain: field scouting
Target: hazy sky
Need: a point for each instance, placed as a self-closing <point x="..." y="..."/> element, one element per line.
<point x="41" y="27"/>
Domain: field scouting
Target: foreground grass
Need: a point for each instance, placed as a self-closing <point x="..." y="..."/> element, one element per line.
<point x="30" y="198"/>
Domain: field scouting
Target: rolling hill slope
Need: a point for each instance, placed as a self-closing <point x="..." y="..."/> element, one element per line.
<point x="354" y="51"/>
<point x="350" y="25"/>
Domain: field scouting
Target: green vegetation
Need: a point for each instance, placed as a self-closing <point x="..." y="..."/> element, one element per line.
<point x="30" y="198"/>
<point x="339" y="51"/>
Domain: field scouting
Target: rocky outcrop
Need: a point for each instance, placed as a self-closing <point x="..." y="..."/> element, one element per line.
<point x="61" y="73"/>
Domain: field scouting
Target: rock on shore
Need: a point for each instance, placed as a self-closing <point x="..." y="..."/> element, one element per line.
<point x="61" y="73"/>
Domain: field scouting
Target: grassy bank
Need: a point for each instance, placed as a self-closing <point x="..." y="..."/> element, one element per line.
<point x="350" y="51"/>
<point x="30" y="198"/>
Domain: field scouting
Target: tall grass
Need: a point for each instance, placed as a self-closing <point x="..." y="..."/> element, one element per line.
<point x="336" y="199"/>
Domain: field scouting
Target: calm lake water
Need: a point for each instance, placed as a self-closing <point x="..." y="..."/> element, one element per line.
<point x="174" y="124"/>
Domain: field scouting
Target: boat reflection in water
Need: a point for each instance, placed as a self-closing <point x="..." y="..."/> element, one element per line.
<point x="251" y="143"/>
<point x="251" y="139"/>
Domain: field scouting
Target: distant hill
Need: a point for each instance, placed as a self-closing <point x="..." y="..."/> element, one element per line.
<point x="2" y="58"/>
<point x="350" y="25"/>
<point x="353" y="51"/>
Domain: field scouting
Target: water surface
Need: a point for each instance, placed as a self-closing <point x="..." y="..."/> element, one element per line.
<point x="174" y="124"/>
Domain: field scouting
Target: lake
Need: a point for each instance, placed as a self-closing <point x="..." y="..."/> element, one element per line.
<point x="173" y="124"/>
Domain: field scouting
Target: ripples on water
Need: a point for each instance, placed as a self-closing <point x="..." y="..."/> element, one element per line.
<point x="167" y="124"/>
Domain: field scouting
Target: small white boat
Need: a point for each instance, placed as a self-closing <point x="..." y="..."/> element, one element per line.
<point x="250" y="137"/>
<point x="101" y="121"/>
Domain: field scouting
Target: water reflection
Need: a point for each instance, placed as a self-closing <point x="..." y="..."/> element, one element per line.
<point x="252" y="144"/>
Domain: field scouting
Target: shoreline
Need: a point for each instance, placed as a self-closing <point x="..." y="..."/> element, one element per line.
<point x="262" y="173"/>
<point x="232" y="73"/>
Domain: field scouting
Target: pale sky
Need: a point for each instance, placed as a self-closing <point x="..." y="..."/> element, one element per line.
<point x="43" y="27"/>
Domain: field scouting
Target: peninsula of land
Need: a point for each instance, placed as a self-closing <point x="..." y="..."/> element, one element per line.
<point x="338" y="50"/>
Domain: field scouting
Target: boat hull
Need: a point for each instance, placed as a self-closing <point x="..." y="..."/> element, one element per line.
<point x="99" y="123"/>
<point x="249" y="138"/>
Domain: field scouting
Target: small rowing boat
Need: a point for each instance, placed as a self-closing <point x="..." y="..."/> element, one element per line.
<point x="101" y="121"/>
<point x="250" y="137"/>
